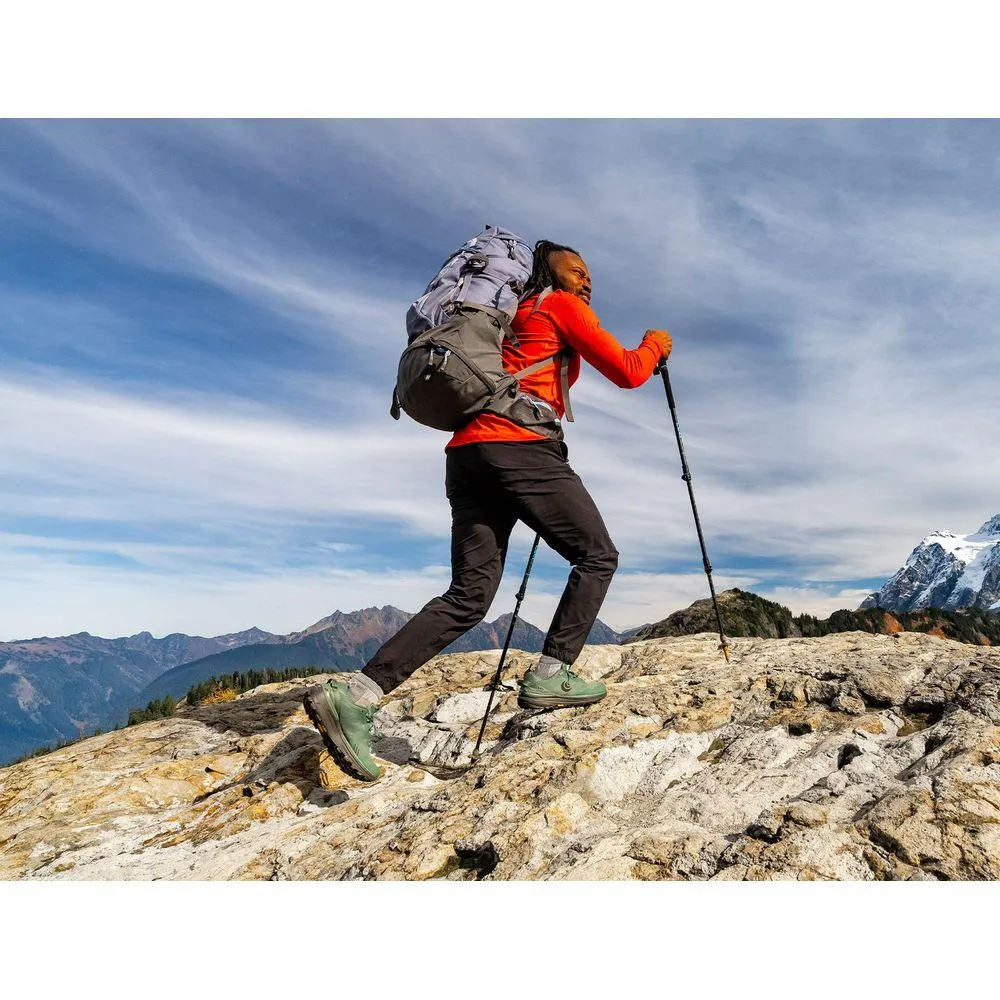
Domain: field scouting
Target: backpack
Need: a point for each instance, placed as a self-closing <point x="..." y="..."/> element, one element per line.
<point x="452" y="368"/>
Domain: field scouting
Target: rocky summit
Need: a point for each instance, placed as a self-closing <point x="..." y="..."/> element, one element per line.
<point x="946" y="570"/>
<point x="848" y="756"/>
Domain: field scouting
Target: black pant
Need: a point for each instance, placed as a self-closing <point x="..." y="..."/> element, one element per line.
<point x="491" y="486"/>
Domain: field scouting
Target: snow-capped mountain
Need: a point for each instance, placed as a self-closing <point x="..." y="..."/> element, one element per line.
<point x="947" y="570"/>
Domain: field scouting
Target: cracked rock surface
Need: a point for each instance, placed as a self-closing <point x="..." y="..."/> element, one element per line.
<point x="851" y="756"/>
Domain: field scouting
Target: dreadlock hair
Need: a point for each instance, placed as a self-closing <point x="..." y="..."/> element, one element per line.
<point x="541" y="274"/>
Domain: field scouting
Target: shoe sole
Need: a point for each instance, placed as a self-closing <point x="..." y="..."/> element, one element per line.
<point x="334" y="740"/>
<point x="554" y="701"/>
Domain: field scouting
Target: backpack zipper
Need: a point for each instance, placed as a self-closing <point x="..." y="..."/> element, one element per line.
<point x="471" y="365"/>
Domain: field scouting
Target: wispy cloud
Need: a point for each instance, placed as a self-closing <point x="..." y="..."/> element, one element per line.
<point x="200" y="324"/>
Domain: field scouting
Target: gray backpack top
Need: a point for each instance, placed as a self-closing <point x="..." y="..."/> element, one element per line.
<point x="452" y="369"/>
<point x="491" y="269"/>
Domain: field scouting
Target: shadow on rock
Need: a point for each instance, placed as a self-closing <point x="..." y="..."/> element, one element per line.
<point x="295" y="760"/>
<point x="264" y="712"/>
<point x="394" y="749"/>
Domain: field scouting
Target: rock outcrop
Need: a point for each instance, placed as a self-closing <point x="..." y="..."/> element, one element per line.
<point x="851" y="756"/>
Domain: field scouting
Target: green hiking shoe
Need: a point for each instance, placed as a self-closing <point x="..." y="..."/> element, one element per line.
<point x="563" y="689"/>
<point x="346" y="728"/>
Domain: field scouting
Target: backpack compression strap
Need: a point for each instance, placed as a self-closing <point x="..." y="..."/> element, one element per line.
<point x="562" y="359"/>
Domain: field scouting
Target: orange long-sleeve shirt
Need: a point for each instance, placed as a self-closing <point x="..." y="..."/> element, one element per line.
<point x="562" y="321"/>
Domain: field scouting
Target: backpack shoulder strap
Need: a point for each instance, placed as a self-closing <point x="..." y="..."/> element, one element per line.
<point x="561" y="358"/>
<point x="564" y="379"/>
<point x="542" y="295"/>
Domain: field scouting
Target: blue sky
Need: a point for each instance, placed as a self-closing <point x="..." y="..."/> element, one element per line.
<point x="200" y="321"/>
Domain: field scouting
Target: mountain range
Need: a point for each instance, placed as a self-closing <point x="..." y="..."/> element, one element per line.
<point x="345" y="642"/>
<point x="55" y="689"/>
<point x="948" y="571"/>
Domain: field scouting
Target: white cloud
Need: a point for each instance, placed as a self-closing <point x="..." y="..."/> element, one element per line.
<point x="102" y="455"/>
<point x="813" y="601"/>
<point x="53" y="597"/>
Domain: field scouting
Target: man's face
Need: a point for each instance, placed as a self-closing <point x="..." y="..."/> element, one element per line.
<point x="571" y="274"/>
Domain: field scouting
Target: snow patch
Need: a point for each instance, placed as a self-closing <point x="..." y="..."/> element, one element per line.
<point x="991" y="529"/>
<point x="972" y="551"/>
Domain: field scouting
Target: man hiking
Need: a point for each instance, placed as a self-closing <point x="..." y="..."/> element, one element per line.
<point x="498" y="473"/>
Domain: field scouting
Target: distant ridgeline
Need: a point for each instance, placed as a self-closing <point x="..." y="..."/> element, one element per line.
<point x="746" y="614"/>
<point x="53" y="690"/>
<point x="210" y="692"/>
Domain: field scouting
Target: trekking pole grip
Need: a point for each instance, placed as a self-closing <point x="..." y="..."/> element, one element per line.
<point x="661" y="369"/>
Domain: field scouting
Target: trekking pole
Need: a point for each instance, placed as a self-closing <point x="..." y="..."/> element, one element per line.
<point x="662" y="369"/>
<point x="506" y="646"/>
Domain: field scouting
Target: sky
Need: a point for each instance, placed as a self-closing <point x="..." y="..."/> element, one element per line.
<point x="200" y="321"/>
